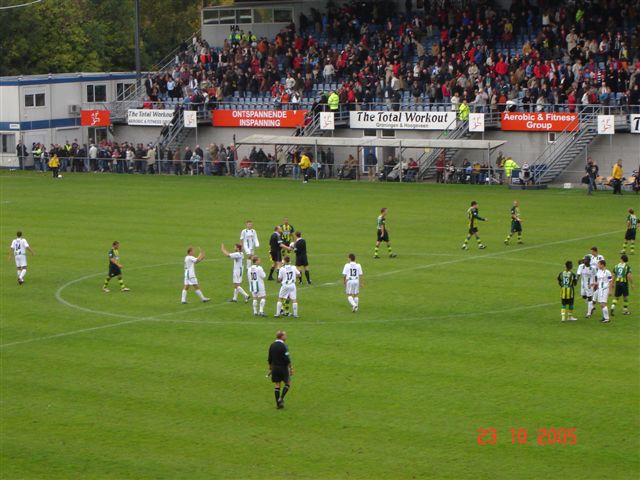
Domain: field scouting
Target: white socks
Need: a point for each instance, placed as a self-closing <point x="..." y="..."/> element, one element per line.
<point x="184" y="295"/>
<point x="352" y="302"/>
<point x="279" y="308"/>
<point x="200" y="295"/>
<point x="21" y="274"/>
<point x="589" y="308"/>
<point x="295" y="309"/>
<point x="357" y="300"/>
<point x="255" y="306"/>
<point x="241" y="291"/>
<point x="263" y="301"/>
<point x="605" y="313"/>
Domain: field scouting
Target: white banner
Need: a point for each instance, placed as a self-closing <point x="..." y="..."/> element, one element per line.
<point x="635" y="123"/>
<point x="402" y="120"/>
<point x="606" y="125"/>
<point x="149" y="118"/>
<point x="327" y="121"/>
<point x="190" y="119"/>
<point x="476" y="122"/>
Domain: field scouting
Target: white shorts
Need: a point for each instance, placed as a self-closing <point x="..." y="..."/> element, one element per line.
<point x="288" y="291"/>
<point x="586" y="291"/>
<point x="259" y="294"/>
<point x="352" y="287"/>
<point x="21" y="261"/>
<point x="601" y="295"/>
<point x="237" y="277"/>
<point x="190" y="280"/>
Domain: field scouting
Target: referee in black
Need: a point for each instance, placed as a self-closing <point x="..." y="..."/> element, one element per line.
<point x="302" y="262"/>
<point x="276" y="245"/>
<point x="280" y="367"/>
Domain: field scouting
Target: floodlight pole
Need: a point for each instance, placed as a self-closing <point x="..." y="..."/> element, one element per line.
<point x="136" y="40"/>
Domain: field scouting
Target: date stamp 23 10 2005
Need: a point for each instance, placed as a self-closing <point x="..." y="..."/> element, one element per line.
<point x="519" y="436"/>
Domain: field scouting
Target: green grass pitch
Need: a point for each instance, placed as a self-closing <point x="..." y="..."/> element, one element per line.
<point x="446" y="342"/>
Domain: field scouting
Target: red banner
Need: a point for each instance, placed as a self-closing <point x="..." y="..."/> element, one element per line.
<point x="95" y="118"/>
<point x="540" y="121"/>
<point x="258" y="118"/>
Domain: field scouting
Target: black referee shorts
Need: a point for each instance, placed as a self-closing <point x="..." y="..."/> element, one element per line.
<point x="301" y="261"/>
<point x="276" y="255"/>
<point x="280" y="374"/>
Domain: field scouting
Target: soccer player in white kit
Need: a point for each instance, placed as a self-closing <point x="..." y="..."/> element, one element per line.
<point x="602" y="286"/>
<point x="352" y="273"/>
<point x="249" y="239"/>
<point x="238" y="270"/>
<point x="595" y="257"/>
<point x="587" y="275"/>
<point x="287" y="277"/>
<point x="190" y="279"/>
<point x="19" y="248"/>
<point x="256" y="277"/>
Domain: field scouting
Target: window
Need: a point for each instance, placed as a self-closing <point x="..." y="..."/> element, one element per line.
<point x="96" y="93"/>
<point x="243" y="16"/>
<point x="227" y="17"/>
<point x="32" y="100"/>
<point x="282" y="15"/>
<point x="388" y="133"/>
<point x="97" y="134"/>
<point x="263" y="15"/>
<point x="8" y="143"/>
<point x="210" y="17"/>
<point x="124" y="90"/>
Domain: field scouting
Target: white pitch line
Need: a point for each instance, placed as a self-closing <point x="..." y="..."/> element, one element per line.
<point x="156" y="318"/>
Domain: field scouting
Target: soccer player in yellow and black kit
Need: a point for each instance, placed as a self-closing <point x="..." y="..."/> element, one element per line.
<point x="516" y="226"/>
<point x="473" y="216"/>
<point x="623" y="278"/>
<point x="382" y="235"/>
<point x="287" y="232"/>
<point x="115" y="268"/>
<point x="630" y="234"/>
<point x="567" y="281"/>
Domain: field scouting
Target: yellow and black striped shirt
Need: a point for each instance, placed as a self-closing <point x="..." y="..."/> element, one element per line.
<point x="567" y="281"/>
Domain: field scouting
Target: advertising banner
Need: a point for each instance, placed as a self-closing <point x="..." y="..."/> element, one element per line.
<point x="95" y="118"/>
<point x="377" y="119"/>
<point x="149" y="118"/>
<point x="540" y="121"/>
<point x="327" y="121"/>
<point x="258" y="118"/>
<point x="190" y="119"/>
<point x="635" y="123"/>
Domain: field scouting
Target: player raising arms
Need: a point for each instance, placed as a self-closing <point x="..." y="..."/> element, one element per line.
<point x="115" y="268"/>
<point x="382" y="234"/>
<point x="473" y="216"/>
<point x="18" y="248"/>
<point x="287" y="278"/>
<point x="256" y="286"/>
<point x="567" y="281"/>
<point x="249" y="240"/>
<point x="190" y="279"/>
<point x="516" y="226"/>
<point x="602" y="286"/>
<point x="630" y="234"/>
<point x="352" y="274"/>
<point x="237" y="256"/>
<point x="623" y="280"/>
<point x="587" y="275"/>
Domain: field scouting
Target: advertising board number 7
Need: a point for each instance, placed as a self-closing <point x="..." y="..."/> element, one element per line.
<point x="635" y="123"/>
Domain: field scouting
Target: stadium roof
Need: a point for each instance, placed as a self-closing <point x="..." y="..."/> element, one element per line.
<point x="371" y="142"/>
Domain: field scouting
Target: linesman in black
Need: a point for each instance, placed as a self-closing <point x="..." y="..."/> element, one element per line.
<point x="280" y="367"/>
<point x="302" y="262"/>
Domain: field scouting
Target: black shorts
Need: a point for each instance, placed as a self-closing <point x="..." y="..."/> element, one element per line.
<point x="567" y="302"/>
<point x="383" y="237"/>
<point x="622" y="290"/>
<point x="276" y="256"/>
<point x="516" y="227"/>
<point x="630" y="234"/>
<point x="301" y="261"/>
<point x="473" y="230"/>
<point x="280" y="374"/>
<point x="114" y="271"/>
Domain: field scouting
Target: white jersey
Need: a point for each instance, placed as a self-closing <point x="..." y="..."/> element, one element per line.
<point x="256" y="280"/>
<point x="595" y="259"/>
<point x="288" y="274"/>
<point x="249" y="239"/>
<point x="237" y="258"/>
<point x="352" y="271"/>
<point x="587" y="276"/>
<point x="603" y="279"/>
<point x="19" y="246"/>
<point x="190" y="270"/>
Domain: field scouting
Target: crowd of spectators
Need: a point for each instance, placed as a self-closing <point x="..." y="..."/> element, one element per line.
<point x="536" y="53"/>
